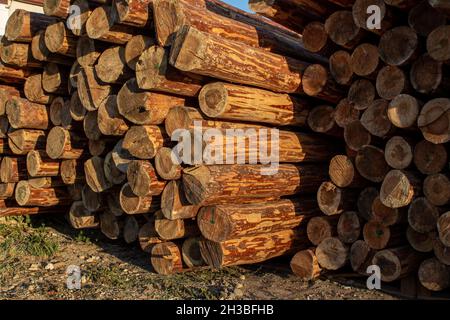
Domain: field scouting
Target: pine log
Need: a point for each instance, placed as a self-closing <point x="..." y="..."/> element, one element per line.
<point x="95" y="175"/>
<point x="443" y="226"/>
<point x="398" y="46"/>
<point x="371" y="164"/>
<point x="342" y="30"/>
<point x="13" y="210"/>
<point x="315" y="39"/>
<point x="430" y="158"/>
<point x="56" y="8"/>
<point x="229" y="23"/>
<point x="101" y="25"/>
<point x="121" y="157"/>
<point x="40" y="51"/>
<point x="166" y="258"/>
<point x="137" y="13"/>
<point x="361" y="256"/>
<point x="356" y="136"/>
<point x="55" y="79"/>
<point x="361" y="94"/>
<point x="348" y="227"/>
<point x="92" y="201"/>
<point x="55" y="110"/>
<point x="135" y="47"/>
<point x="46" y="182"/>
<point x="345" y="113"/>
<point x="132" y="204"/>
<point x="112" y="173"/>
<point x="191" y="252"/>
<point x="88" y="51"/>
<point x="23" y="141"/>
<point x="90" y="125"/>
<point x="321" y="227"/>
<point x="441" y="252"/>
<point x="403" y="5"/>
<point x="434" y="275"/>
<point x="165" y="166"/>
<point x="321" y="120"/>
<point x="436" y="189"/>
<point x="7" y="190"/>
<point x="317" y="83"/>
<point x="113" y="202"/>
<point x="144" y="107"/>
<point x="25" y="114"/>
<point x="437" y="44"/>
<point x="153" y="72"/>
<point x="131" y="228"/>
<point x="333" y="200"/>
<point x="304" y="264"/>
<point x="231" y="221"/>
<point x="397" y="263"/>
<point x="73" y="77"/>
<point x="13" y="75"/>
<point x="111" y="66"/>
<point x="110" y="122"/>
<point x="209" y="55"/>
<point x="91" y="90"/>
<point x="398" y="153"/>
<point x="241" y="251"/>
<point x="27" y="196"/>
<point x="375" y="118"/>
<point x="174" y="204"/>
<point x="399" y="188"/>
<point x="365" y="60"/>
<point x="64" y="144"/>
<point x="421" y="242"/>
<point x="210" y="184"/>
<point x="365" y="202"/>
<point x="110" y="225"/>
<point x="385" y="215"/>
<point x="59" y="39"/>
<point x="403" y="111"/>
<point x="18" y="54"/>
<point x="423" y="18"/>
<point x="7" y="92"/>
<point x="77" y="23"/>
<point x="378" y="236"/>
<point x="361" y="15"/>
<point x="4" y="127"/>
<point x="148" y="237"/>
<point x="77" y="110"/>
<point x="81" y="218"/>
<point x="391" y="81"/>
<point x="343" y="173"/>
<point x="34" y="92"/>
<point x="175" y="229"/>
<point x="143" y="142"/>
<point x="426" y="76"/>
<point x="332" y="254"/>
<point x="71" y="171"/>
<point x="340" y="67"/>
<point x="39" y="165"/>
<point x="13" y="169"/>
<point x="22" y="25"/>
<point x="143" y="180"/>
<point x="434" y="120"/>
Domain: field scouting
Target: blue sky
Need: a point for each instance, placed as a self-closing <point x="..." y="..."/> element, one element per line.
<point x="242" y="4"/>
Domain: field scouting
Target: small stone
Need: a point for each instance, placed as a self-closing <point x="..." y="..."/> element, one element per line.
<point x="30" y="288"/>
<point x="34" y="267"/>
<point x="242" y="277"/>
<point x="239" y="286"/>
<point x="238" y="293"/>
<point x="50" y="266"/>
<point x="83" y="279"/>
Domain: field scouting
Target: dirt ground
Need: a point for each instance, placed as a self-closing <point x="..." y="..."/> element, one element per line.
<point x="34" y="259"/>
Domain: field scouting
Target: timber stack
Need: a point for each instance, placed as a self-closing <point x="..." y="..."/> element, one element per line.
<point x="214" y="137"/>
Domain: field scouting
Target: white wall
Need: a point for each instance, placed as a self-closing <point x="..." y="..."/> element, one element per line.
<point x="3" y="18"/>
<point x="13" y="5"/>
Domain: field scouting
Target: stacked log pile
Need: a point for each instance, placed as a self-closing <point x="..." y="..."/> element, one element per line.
<point x="96" y="104"/>
<point x="387" y="199"/>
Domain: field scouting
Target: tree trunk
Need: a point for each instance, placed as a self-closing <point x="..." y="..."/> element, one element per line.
<point x="56" y="8"/>
<point x="349" y="227"/>
<point x="90" y="126"/>
<point x="430" y="158"/>
<point x="434" y="275"/>
<point x="111" y="66"/>
<point x="365" y="60"/>
<point x="95" y="175"/>
<point x="361" y="256"/>
<point x="18" y="54"/>
<point x="143" y="142"/>
<point x="165" y="166"/>
<point x="153" y="72"/>
<point x="321" y="227"/>
<point x="332" y="254"/>
<point x="43" y="197"/>
<point x="175" y="229"/>
<point x="7" y="92"/>
<point x="375" y="119"/>
<point x="361" y="94"/>
<point x="427" y="77"/>
<point x="321" y="120"/>
<point x="135" y="47"/>
<point x="365" y="202"/>
<point x="403" y="111"/>
<point x="55" y="79"/>
<point x="13" y="75"/>
<point x="7" y="190"/>
<point x="341" y="67"/>
<point x="174" y="204"/>
<point x="110" y="225"/>
<point x="399" y="188"/>
<point x="315" y="39"/>
<point x="230" y="221"/>
<point x="110" y="122"/>
<point x="40" y="51"/>
<point x="371" y="163"/>
<point x="92" y="201"/>
<point x="101" y="25"/>
<point x="144" y="107"/>
<point x="59" y="39"/>
<point x="343" y="173"/>
<point x="39" y="165"/>
<point x="356" y="136"/>
<point x="22" y="25"/>
<point x="132" y="204"/>
<point x="343" y="20"/>
<point x="210" y="55"/>
<point x="385" y="215"/>
<point x="71" y="171"/>
<point x="77" y="110"/>
<point x="391" y="81"/>
<point x="378" y="236"/>
<point x="91" y="90"/>
<point x="121" y="157"/>
<point x="148" y="237"/>
<point x="421" y="242"/>
<point x="112" y="173"/>
<point x="437" y="44"/>
<point x="166" y="258"/>
<point x="191" y="252"/>
<point x="64" y="144"/>
<point x="55" y="111"/>
<point x="210" y="184"/>
<point x="436" y="188"/>
<point x="23" y="141"/>
<point x="143" y="180"/>
<point x="81" y="218"/>
<point x="238" y="103"/>
<point x="304" y="264"/>
<point x="442" y="252"/>
<point x="241" y="251"/>
<point x="136" y="13"/>
<point x="34" y="92"/>
<point x="78" y="25"/>
<point x="25" y="114"/>
<point x="88" y="51"/>
<point x="13" y="169"/>
<point x="333" y="200"/>
<point x="423" y="18"/>
<point x="433" y="120"/>
<point x="399" y="46"/>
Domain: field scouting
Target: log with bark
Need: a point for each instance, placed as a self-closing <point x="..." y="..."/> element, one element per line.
<point x="22" y="25"/>
<point x="23" y="141"/>
<point x="136" y="13"/>
<point x="18" y="54"/>
<point x="25" y="114"/>
<point x="26" y="195"/>
<point x="175" y="229"/>
<point x="320" y="228"/>
<point x="111" y="66"/>
<point x="59" y="39"/>
<point x="143" y="180"/>
<point x="304" y="264"/>
<point x="132" y="204"/>
<point x="134" y="49"/>
<point x="34" y="91"/>
<point x="174" y="204"/>
<point x="39" y="165"/>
